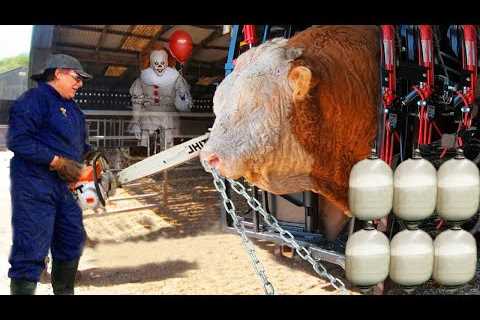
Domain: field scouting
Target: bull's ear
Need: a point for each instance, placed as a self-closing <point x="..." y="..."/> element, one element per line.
<point x="293" y="53"/>
<point x="300" y="79"/>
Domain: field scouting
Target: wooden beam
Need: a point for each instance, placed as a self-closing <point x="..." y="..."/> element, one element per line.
<point x="115" y="32"/>
<point x="103" y="58"/>
<point x="102" y="38"/>
<point x="126" y="54"/>
<point x="164" y="29"/>
<point x="158" y="37"/>
<point x="106" y="57"/>
<point x="93" y="48"/>
<point x="202" y="45"/>
<point x="97" y="49"/>
<point x="129" y="58"/>
<point x="100" y="41"/>
<point x="212" y="37"/>
<point x="125" y="37"/>
<point x="122" y="42"/>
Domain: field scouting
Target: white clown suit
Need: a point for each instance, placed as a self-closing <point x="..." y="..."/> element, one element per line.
<point x="158" y="89"/>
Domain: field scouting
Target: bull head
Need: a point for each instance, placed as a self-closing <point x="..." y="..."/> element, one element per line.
<point x="296" y="115"/>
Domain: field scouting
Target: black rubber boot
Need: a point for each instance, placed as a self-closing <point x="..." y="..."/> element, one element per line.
<point x="63" y="276"/>
<point x="22" y="287"/>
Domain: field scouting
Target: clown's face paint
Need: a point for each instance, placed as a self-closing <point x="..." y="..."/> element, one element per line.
<point x="159" y="61"/>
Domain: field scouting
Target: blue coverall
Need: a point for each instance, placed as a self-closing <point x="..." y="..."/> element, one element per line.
<point x="45" y="214"/>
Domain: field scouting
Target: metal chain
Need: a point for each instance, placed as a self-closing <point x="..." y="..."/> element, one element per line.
<point x="286" y="235"/>
<point x="247" y="244"/>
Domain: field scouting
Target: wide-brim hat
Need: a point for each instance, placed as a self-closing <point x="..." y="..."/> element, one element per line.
<point x="62" y="61"/>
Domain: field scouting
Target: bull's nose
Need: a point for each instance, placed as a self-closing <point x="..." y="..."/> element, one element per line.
<point x="213" y="160"/>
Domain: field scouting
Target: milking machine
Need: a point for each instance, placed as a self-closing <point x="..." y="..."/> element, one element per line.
<point x="439" y="182"/>
<point x="389" y="88"/>
<point x="458" y="200"/>
<point x="370" y="195"/>
<point x="415" y="190"/>
<point x="422" y="174"/>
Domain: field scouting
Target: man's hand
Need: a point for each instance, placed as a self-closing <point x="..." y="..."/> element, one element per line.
<point x="88" y="156"/>
<point x="67" y="169"/>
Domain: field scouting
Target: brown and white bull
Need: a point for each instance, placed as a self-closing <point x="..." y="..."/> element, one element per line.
<point x="297" y="114"/>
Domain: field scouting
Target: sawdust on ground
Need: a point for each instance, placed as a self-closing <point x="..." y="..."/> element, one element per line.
<point x="180" y="247"/>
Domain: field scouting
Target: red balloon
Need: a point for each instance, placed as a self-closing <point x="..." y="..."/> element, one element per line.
<point x="181" y="45"/>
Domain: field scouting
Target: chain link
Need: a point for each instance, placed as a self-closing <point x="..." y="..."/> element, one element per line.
<point x="285" y="235"/>
<point x="239" y="227"/>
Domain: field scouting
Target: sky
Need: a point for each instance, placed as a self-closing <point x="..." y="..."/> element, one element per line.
<point x="14" y="40"/>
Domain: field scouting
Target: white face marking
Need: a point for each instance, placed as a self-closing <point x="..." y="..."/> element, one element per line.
<point x="251" y="134"/>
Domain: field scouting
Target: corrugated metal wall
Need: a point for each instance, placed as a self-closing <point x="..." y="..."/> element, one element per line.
<point x="13" y="83"/>
<point x="4" y="108"/>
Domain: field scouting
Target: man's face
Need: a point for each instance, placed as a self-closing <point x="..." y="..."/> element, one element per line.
<point x="67" y="82"/>
<point x="159" y="61"/>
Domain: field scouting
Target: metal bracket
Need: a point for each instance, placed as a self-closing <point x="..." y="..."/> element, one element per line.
<point x="317" y="252"/>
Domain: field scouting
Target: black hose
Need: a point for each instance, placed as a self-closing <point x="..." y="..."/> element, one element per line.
<point x="439" y="55"/>
<point x="405" y="130"/>
<point x="97" y="156"/>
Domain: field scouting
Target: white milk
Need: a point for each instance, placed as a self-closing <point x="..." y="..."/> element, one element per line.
<point x="368" y="203"/>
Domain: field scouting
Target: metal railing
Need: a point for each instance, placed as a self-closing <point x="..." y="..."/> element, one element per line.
<point x="110" y="133"/>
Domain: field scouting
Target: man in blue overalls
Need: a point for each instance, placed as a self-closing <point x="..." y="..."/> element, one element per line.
<point x="48" y="138"/>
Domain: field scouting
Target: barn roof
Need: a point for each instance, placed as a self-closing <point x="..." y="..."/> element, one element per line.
<point x="108" y="51"/>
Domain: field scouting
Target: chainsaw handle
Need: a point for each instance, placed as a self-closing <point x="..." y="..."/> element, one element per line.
<point x="95" y="158"/>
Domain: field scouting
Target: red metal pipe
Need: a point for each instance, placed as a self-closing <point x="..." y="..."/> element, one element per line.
<point x="436" y="129"/>
<point x="443" y="153"/>
<point x="386" y="143"/>
<point x="470" y="61"/>
<point x="426" y="59"/>
<point x="249" y="34"/>
<point x="388" y="35"/>
<point x="421" y="125"/>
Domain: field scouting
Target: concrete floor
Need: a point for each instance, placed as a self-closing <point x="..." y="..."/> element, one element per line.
<point x="6" y="228"/>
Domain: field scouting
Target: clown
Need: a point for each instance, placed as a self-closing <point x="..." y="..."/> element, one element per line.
<point x="159" y="88"/>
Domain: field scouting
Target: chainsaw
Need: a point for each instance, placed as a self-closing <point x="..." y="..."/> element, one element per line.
<point x="94" y="185"/>
<point x="98" y="182"/>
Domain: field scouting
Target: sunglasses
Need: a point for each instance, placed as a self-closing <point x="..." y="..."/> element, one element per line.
<point x="75" y="76"/>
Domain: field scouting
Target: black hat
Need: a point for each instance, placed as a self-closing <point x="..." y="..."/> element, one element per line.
<point x="61" y="61"/>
